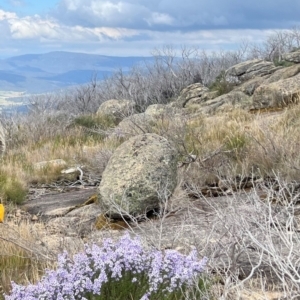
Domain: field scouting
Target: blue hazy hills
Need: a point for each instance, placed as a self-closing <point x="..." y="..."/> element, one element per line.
<point x="37" y="73"/>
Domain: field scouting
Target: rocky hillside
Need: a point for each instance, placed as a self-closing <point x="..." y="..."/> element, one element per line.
<point x="217" y="168"/>
<point x="256" y="85"/>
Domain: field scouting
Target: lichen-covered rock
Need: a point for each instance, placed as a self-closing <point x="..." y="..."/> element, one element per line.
<point x="241" y="68"/>
<point x="141" y="174"/>
<point x="197" y="102"/>
<point x="292" y="56"/>
<point x="284" y="73"/>
<point x="133" y="125"/>
<point x="226" y="102"/>
<point x="251" y="85"/>
<point x="156" y="110"/>
<point x="117" y="109"/>
<point x="260" y="69"/>
<point x="159" y="111"/>
<point x="191" y="92"/>
<point x="251" y="68"/>
<point x="209" y="95"/>
<point x="277" y="94"/>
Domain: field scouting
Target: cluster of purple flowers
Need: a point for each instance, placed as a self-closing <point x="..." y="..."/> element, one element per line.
<point x="87" y="272"/>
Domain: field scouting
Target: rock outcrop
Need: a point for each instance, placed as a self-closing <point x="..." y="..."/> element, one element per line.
<point x="277" y="94"/>
<point x="140" y="175"/>
<point x="284" y="73"/>
<point x="292" y="56"/>
<point x="251" y="85"/>
<point x="192" y="92"/>
<point x="255" y="84"/>
<point x="117" y="109"/>
<point x="226" y="102"/>
<point x="250" y="69"/>
<point x="155" y="110"/>
<point x="133" y="125"/>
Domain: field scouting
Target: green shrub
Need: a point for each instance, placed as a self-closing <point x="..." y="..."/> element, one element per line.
<point x="102" y="122"/>
<point x="95" y="126"/>
<point x="221" y="85"/>
<point x="11" y="189"/>
<point x="282" y="63"/>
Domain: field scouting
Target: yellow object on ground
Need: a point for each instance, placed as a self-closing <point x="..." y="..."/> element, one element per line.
<point x="2" y="211"/>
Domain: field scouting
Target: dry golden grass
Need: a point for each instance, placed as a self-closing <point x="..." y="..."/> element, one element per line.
<point x="76" y="147"/>
<point x="19" y="261"/>
<point x="237" y="143"/>
<point x="230" y="144"/>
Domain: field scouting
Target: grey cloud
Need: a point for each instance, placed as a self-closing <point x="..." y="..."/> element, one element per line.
<point x="183" y="15"/>
<point x="141" y="43"/>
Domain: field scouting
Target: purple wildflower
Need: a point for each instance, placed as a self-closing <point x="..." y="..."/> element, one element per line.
<point x="89" y="270"/>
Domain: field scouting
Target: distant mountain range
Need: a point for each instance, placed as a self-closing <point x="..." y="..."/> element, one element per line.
<point x="38" y="73"/>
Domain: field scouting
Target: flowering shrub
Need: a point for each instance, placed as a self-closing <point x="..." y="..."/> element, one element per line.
<point x="122" y="270"/>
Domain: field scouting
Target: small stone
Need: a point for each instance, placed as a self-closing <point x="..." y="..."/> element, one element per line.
<point x="34" y="218"/>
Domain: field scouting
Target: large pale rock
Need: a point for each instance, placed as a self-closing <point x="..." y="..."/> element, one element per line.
<point x="260" y="69"/>
<point x="56" y="203"/>
<point x="133" y="125"/>
<point x="292" y="56"/>
<point x="209" y="95"/>
<point x="277" y="94"/>
<point x="251" y="85"/>
<point x="241" y="68"/>
<point x="198" y="101"/>
<point x="192" y="92"/>
<point x="284" y="73"/>
<point x="226" y="102"/>
<point x="251" y="68"/>
<point x="140" y="175"/>
<point x="155" y="110"/>
<point x="117" y="109"/>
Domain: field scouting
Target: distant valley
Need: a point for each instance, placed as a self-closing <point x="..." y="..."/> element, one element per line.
<point x="39" y="73"/>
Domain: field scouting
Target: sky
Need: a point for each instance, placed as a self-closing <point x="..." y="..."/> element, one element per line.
<point x="137" y="27"/>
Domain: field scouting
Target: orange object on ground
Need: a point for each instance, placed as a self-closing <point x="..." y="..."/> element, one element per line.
<point x="2" y="211"/>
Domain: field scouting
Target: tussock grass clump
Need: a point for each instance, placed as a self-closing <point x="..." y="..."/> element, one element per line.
<point x="18" y="262"/>
<point x="98" y="121"/>
<point x="73" y="145"/>
<point x="221" y="84"/>
<point x="237" y="143"/>
<point x="282" y="63"/>
<point x="12" y="188"/>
